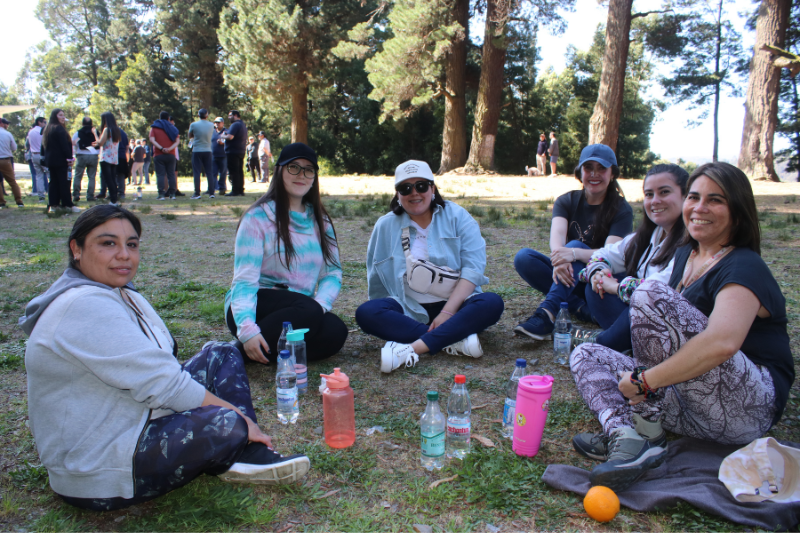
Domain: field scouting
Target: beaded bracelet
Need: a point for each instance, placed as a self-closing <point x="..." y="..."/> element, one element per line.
<point x="637" y="378"/>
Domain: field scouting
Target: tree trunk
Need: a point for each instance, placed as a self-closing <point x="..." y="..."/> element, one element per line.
<point x="604" y="124"/>
<point x="490" y="89"/>
<point x="761" y="105"/>
<point x="718" y="86"/>
<point x="300" y="114"/>
<point x="454" y="136"/>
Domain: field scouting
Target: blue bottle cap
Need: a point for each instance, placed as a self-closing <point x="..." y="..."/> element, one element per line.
<point x="285" y="354"/>
<point x="522" y="362"/>
<point x="286" y="325"/>
<point x="564" y="305"/>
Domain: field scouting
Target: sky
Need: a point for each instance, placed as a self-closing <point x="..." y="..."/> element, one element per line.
<point x="670" y="138"/>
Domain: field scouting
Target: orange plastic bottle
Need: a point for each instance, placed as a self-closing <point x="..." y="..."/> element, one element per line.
<point x="338" y="410"/>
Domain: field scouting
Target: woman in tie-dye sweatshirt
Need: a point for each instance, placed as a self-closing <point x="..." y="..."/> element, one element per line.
<point x="285" y="267"/>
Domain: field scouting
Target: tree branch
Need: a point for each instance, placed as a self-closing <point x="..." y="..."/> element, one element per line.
<point x="645" y="13"/>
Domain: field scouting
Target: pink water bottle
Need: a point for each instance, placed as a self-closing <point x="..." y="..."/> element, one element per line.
<point x="533" y="402"/>
<point x="338" y="410"/>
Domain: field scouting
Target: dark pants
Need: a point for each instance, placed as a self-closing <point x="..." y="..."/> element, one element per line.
<point x="165" y="174"/>
<point x="537" y="271"/>
<point x="122" y="178"/>
<point x="384" y="318"/>
<point x="220" y="173"/>
<point x="59" y="194"/>
<point x="613" y="315"/>
<point x="202" y="161"/>
<point x="236" y="171"/>
<point x="326" y="331"/>
<point x="167" y="458"/>
<point x="255" y="168"/>
<point x="108" y="179"/>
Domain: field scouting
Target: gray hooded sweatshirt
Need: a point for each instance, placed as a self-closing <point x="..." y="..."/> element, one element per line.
<point x="95" y="378"/>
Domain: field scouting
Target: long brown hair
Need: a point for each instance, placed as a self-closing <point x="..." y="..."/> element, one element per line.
<point x="52" y="124"/>
<point x="277" y="194"/>
<point x="107" y="120"/>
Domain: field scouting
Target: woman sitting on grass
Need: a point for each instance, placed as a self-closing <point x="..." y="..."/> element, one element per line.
<point x="116" y="419"/>
<point x="711" y="356"/>
<point x="423" y="226"/>
<point x="615" y="270"/>
<point x="286" y="266"/>
<point x="583" y="221"/>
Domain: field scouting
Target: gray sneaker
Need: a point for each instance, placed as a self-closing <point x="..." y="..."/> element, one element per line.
<point x="630" y="457"/>
<point x="595" y="445"/>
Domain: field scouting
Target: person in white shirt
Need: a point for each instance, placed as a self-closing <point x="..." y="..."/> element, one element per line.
<point x="86" y="159"/>
<point x="35" y="140"/>
<point x="264" y="154"/>
<point x="7" y="148"/>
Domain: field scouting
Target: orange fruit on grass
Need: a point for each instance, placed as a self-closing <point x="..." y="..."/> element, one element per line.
<point x="601" y="504"/>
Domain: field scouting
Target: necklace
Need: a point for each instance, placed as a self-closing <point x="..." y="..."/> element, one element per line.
<point x="713" y="260"/>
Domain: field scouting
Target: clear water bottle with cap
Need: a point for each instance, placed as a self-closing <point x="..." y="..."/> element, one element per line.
<point x="520" y="370"/>
<point x="562" y="341"/>
<point x="338" y="410"/>
<point x="286" y="382"/>
<point x="297" y="346"/>
<point x="459" y="427"/>
<point x="287" y="327"/>
<point x="432" y="428"/>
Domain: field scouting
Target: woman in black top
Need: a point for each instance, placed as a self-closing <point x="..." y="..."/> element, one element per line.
<point x="711" y="356"/>
<point x="57" y="146"/>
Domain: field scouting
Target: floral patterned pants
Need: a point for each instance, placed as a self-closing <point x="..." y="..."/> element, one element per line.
<point x="175" y="449"/>
<point x="733" y="403"/>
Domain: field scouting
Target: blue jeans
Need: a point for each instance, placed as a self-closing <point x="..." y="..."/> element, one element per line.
<point x="613" y="316"/>
<point x="220" y="173"/>
<point x="146" y="172"/>
<point x="166" y="180"/>
<point x="202" y="160"/>
<point x="537" y="271"/>
<point x="384" y="318"/>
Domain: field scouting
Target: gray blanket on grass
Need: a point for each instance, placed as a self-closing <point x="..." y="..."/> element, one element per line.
<point x="689" y="474"/>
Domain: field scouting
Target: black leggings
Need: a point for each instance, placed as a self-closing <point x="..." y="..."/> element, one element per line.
<point x="59" y="187"/>
<point x="326" y="331"/>
<point x="108" y="175"/>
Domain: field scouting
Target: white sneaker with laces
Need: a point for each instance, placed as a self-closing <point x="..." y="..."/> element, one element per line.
<point x="471" y="347"/>
<point x="394" y="354"/>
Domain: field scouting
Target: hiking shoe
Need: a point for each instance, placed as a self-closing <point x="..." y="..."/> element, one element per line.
<point x="630" y="457"/>
<point x="196" y="197"/>
<point x="595" y="445"/>
<point x="211" y="196"/>
<point x="582" y="335"/>
<point x="394" y="354"/>
<point x="258" y="464"/>
<point x="471" y="347"/>
<point x="538" y="326"/>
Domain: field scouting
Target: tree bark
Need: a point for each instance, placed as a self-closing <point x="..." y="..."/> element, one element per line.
<point x="718" y="86"/>
<point x="454" y="136"/>
<point x="604" y="123"/>
<point x="490" y="89"/>
<point x="761" y="105"/>
<point x="300" y="114"/>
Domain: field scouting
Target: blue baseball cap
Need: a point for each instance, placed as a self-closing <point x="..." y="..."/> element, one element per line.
<point x="600" y="153"/>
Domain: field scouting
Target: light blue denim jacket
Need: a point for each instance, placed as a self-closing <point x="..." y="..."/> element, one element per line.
<point x="454" y="240"/>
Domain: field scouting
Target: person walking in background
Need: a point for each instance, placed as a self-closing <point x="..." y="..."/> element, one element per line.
<point x="29" y="160"/>
<point x="541" y="155"/>
<point x="109" y="141"/>
<point x="235" y="148"/>
<point x="200" y="132"/>
<point x="7" y="148"/>
<point x="57" y="146"/>
<point x="131" y="148"/>
<point x="252" y="159"/>
<point x="123" y="167"/>
<point x="165" y="139"/>
<point x="553" y="152"/>
<point x="220" y="163"/>
<point x="35" y="141"/>
<point x="138" y="163"/>
<point x="264" y="155"/>
<point x="86" y="159"/>
<point x="148" y="158"/>
<point x="177" y="154"/>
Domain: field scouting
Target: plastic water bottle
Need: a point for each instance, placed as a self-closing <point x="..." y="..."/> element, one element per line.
<point x="297" y="346"/>
<point x="561" y="336"/>
<point x="338" y="410"/>
<point x="286" y="382"/>
<point x="458" y="420"/>
<point x="287" y="327"/>
<point x="510" y="406"/>
<point x="432" y="428"/>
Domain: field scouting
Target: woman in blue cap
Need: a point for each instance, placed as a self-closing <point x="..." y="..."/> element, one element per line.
<point x="583" y="221"/>
<point x="286" y="264"/>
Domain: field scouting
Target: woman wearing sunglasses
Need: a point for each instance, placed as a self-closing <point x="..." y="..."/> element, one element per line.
<point x="286" y="265"/>
<point x="425" y="263"/>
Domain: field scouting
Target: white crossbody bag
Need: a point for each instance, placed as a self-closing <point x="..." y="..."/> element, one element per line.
<point x="426" y="278"/>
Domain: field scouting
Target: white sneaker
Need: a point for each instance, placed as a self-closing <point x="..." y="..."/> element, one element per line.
<point x="394" y="354"/>
<point x="76" y="209"/>
<point x="471" y="347"/>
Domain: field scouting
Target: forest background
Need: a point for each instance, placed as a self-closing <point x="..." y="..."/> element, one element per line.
<point x="369" y="83"/>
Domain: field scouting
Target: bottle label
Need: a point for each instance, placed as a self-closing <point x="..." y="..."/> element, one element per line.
<point x="287" y="398"/>
<point x="433" y="445"/>
<point x="508" y="411"/>
<point x="302" y="375"/>
<point x="456" y="429"/>
<point x="561" y="341"/>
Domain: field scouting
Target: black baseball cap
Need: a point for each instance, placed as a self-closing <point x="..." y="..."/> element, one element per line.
<point x="294" y="151"/>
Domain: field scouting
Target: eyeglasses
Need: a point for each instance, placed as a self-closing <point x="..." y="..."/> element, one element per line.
<point x="308" y="172"/>
<point x="421" y="187"/>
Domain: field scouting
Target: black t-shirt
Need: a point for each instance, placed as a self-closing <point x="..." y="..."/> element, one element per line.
<point x="767" y="343"/>
<point x="580" y="217"/>
<point x="138" y="154"/>
<point x="237" y="145"/>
